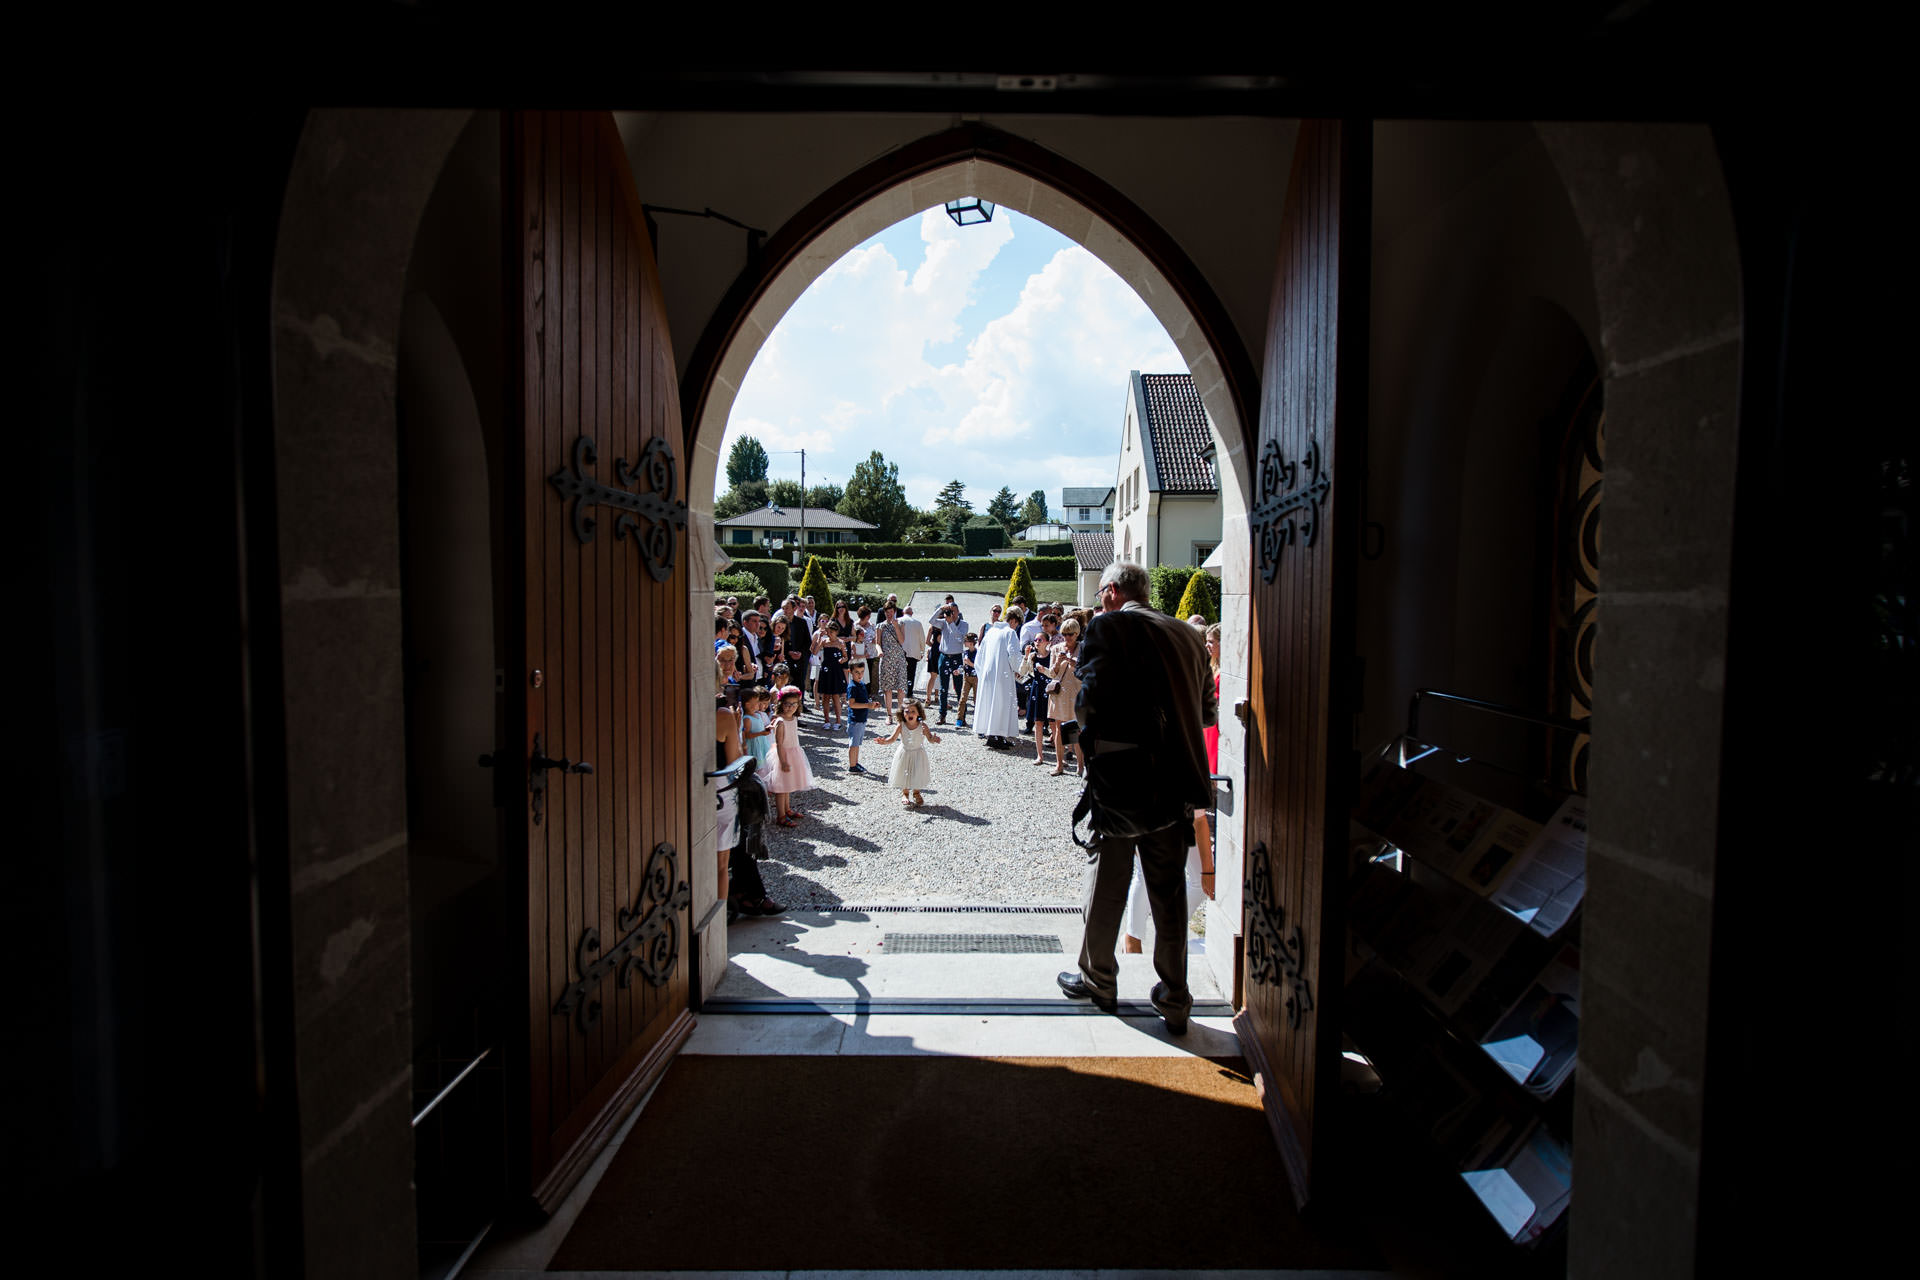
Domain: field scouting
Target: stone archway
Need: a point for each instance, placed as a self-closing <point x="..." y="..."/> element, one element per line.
<point x="1655" y="212"/>
<point x="978" y="161"/>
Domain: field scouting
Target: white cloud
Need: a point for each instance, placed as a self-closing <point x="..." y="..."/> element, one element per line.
<point x="1034" y="402"/>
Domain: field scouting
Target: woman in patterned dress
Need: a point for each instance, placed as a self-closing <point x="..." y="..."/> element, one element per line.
<point x="891" y="683"/>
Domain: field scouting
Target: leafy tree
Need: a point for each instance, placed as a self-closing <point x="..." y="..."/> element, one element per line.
<point x="847" y="571"/>
<point x="814" y="583"/>
<point x="1005" y="509"/>
<point x="825" y="497"/>
<point x="875" y="494"/>
<point x="953" y="498"/>
<point x="1035" y="509"/>
<point x="1020" y="584"/>
<point x="786" y="493"/>
<point x="1202" y="596"/>
<point x="748" y="495"/>
<point x="926" y="526"/>
<point x="748" y="461"/>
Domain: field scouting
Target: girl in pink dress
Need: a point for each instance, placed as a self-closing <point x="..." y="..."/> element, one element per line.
<point x="790" y="772"/>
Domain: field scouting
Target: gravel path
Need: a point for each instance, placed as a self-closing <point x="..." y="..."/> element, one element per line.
<point x="995" y="828"/>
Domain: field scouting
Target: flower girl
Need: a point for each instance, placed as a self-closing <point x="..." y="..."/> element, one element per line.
<point x="910" y="770"/>
<point x="790" y="772"/>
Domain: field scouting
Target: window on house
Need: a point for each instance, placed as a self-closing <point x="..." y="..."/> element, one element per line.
<point x="1201" y="550"/>
<point x="742" y="537"/>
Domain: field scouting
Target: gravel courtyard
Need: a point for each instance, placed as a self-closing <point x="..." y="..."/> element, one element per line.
<point x="995" y="829"/>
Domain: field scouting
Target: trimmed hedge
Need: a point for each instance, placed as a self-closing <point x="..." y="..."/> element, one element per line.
<point x="1019" y="585"/>
<point x="979" y="541"/>
<point x="813" y="582"/>
<point x="734" y="583"/>
<point x="1040" y="549"/>
<point x="898" y="550"/>
<point x="1167" y="584"/>
<point x="1202" y="596"/>
<point x="772" y="575"/>
<point x="963" y="570"/>
<point x="859" y="551"/>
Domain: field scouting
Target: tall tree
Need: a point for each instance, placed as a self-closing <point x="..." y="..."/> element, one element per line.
<point x="1035" y="509"/>
<point x="785" y="493"/>
<point x="1005" y="508"/>
<point x="746" y="496"/>
<point x="927" y="526"/>
<point x="953" y="498"/>
<point x="875" y="494"/>
<point x="748" y="461"/>
<point x="825" y="496"/>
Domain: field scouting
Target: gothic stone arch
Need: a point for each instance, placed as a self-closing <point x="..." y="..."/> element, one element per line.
<point x="1655" y="212"/>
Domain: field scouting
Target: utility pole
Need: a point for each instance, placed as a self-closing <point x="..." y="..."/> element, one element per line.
<point x="800" y="547"/>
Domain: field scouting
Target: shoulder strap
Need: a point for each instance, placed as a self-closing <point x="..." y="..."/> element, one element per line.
<point x="1081" y="808"/>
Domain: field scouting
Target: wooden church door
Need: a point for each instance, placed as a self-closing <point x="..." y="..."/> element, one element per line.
<point x="1304" y="522"/>
<point x="596" y="524"/>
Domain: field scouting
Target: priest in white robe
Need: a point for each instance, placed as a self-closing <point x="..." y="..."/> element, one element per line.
<point x="997" y="717"/>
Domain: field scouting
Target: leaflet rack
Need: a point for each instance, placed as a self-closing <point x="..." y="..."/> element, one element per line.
<point x="1463" y="963"/>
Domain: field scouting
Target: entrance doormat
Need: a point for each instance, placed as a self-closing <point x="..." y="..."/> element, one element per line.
<point x="842" y="1162"/>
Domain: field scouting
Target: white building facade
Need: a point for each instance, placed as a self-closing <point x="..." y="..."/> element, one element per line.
<point x="1166" y="493"/>
<point x="1086" y="508"/>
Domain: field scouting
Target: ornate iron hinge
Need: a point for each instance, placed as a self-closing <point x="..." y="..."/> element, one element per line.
<point x="1291" y="495"/>
<point x="1276" y="954"/>
<point x="653" y="948"/>
<point x="665" y="515"/>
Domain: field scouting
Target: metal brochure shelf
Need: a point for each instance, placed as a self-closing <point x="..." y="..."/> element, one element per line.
<point x="1463" y="963"/>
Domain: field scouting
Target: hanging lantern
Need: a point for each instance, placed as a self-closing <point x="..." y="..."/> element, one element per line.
<point x="969" y="211"/>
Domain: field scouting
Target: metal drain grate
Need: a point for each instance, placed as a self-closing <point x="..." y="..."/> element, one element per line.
<point x="961" y="944"/>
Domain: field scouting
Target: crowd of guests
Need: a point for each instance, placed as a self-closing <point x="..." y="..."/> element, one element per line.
<point x="1018" y="672"/>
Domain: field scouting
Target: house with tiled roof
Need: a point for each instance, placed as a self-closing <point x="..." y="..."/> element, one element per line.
<point x="1092" y="553"/>
<point x="1087" y="508"/>
<point x="1167" y="494"/>
<point x="780" y="528"/>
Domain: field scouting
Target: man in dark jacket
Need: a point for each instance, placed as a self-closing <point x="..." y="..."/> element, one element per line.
<point x="1146" y="694"/>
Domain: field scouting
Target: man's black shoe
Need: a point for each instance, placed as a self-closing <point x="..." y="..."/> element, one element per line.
<point x="1175" y="1014"/>
<point x="1076" y="988"/>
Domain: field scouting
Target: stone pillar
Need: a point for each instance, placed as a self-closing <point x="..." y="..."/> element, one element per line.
<point x="1652" y="205"/>
<point x="359" y="184"/>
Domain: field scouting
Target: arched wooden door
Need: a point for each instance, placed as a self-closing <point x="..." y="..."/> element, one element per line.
<point x="596" y="523"/>
<point x="1304" y="521"/>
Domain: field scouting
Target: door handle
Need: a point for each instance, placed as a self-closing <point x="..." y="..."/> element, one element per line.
<point x="539" y="761"/>
<point x="537" y="765"/>
<point x="542" y="761"/>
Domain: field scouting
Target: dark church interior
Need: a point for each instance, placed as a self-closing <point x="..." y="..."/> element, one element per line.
<point x="172" y="1102"/>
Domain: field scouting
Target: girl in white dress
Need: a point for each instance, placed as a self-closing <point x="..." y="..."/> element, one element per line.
<point x="909" y="770"/>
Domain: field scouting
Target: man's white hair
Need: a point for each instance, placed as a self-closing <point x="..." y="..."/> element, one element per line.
<point x="1129" y="579"/>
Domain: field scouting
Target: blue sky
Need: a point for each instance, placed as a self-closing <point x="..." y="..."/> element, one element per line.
<point x="994" y="354"/>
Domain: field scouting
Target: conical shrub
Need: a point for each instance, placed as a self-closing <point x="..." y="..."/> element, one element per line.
<point x="1202" y="596"/>
<point x="1020" y="584"/>
<point x="814" y="583"/>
